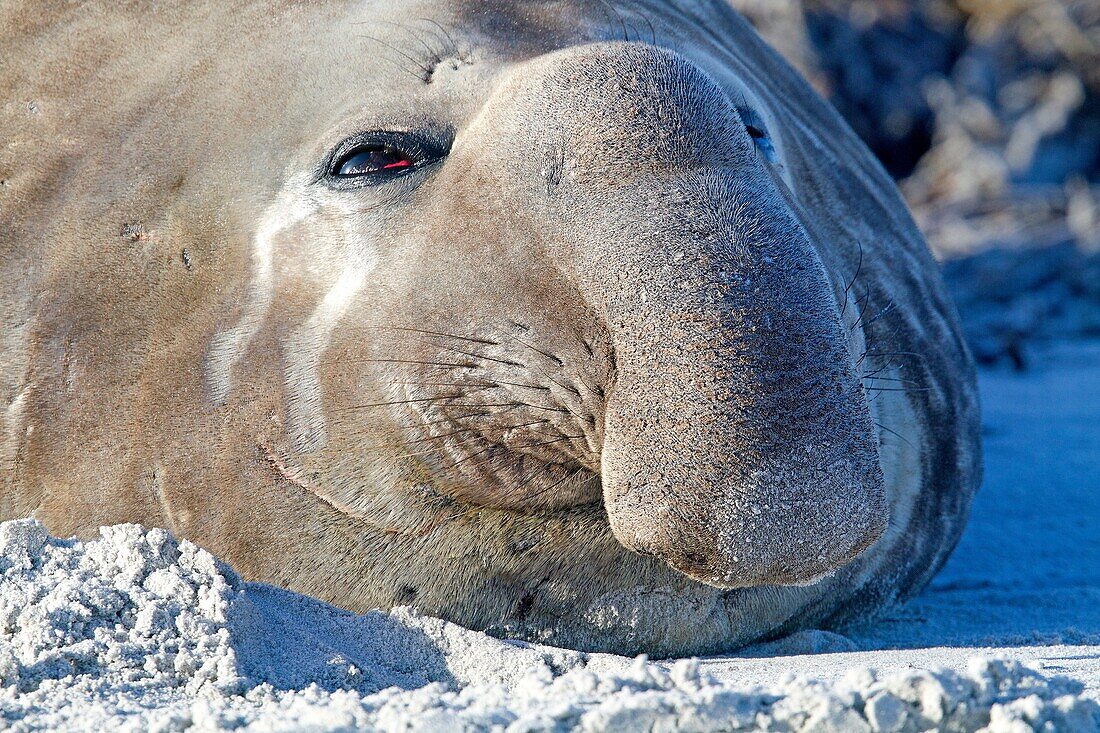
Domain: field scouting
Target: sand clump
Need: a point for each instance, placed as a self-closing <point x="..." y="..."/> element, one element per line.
<point x="138" y="631"/>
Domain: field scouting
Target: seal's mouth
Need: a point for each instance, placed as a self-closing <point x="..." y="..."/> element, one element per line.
<point x="429" y="510"/>
<point x="776" y="485"/>
<point x="508" y="451"/>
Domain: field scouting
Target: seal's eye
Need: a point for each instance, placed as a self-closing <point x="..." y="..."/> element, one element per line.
<point x="763" y="141"/>
<point x="383" y="158"/>
<point x="369" y="159"/>
<point x="759" y="134"/>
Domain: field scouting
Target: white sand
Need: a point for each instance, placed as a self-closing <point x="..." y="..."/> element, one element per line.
<point x="136" y="631"/>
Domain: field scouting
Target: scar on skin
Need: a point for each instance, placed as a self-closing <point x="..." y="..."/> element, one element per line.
<point x="165" y="507"/>
<point x="133" y="231"/>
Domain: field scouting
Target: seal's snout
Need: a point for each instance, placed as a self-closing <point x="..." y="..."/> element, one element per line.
<point x="738" y="446"/>
<point x="738" y="441"/>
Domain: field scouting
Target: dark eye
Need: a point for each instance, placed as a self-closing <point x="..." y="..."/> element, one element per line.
<point x="369" y="159"/>
<point x="754" y="126"/>
<point x="384" y="158"/>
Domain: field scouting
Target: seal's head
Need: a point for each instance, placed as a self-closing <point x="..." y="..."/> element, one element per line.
<point x="587" y="288"/>
<point x="536" y="318"/>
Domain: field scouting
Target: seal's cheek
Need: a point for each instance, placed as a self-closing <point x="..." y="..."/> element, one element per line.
<point x="312" y="254"/>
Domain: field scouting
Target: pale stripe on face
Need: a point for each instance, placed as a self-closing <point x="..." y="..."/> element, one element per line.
<point x="306" y="423"/>
<point x="227" y="347"/>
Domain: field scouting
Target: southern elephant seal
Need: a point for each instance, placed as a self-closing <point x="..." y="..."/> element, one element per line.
<point x="573" y="322"/>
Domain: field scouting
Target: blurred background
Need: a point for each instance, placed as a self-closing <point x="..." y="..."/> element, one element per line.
<point x="987" y="113"/>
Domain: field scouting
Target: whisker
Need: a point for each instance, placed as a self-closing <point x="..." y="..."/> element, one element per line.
<point x="469" y="385"/>
<point x="587" y="346"/>
<point x="429" y="423"/>
<point x="400" y="402"/>
<point x="893" y="353"/>
<point x="568" y="388"/>
<point x="439" y="333"/>
<point x="652" y="29"/>
<point x="527" y="424"/>
<point x="865" y="354"/>
<point x="449" y="418"/>
<point x="426" y="439"/>
<point x="437" y="450"/>
<point x="888" y="309"/>
<point x="887" y="367"/>
<point x="526" y="386"/>
<point x="431" y="52"/>
<point x="495" y="446"/>
<point x="546" y="442"/>
<point x="618" y="15"/>
<point x="891" y="379"/>
<point x="537" y="350"/>
<point x="466" y="365"/>
<point x="548" y="409"/>
<point x="848" y="287"/>
<point x="564" y="479"/>
<point x="505" y="362"/>
<point x="898" y="389"/>
<point x="894" y="432"/>
<point x="492" y="446"/>
<point x="511" y="404"/>
<point x="588" y="386"/>
<point x="426" y="72"/>
<point x="451" y="434"/>
<point x="396" y="64"/>
<point x="863" y="309"/>
<point x="447" y="37"/>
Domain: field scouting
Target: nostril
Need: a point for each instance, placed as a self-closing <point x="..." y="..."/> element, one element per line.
<point x="686" y="557"/>
<point x="647" y="546"/>
<point x="695" y="564"/>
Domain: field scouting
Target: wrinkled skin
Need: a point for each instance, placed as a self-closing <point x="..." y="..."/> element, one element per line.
<point x="643" y="354"/>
